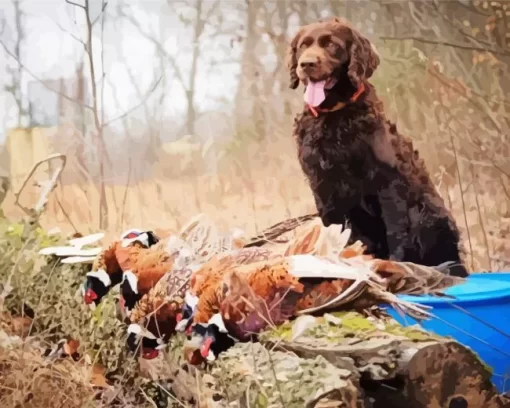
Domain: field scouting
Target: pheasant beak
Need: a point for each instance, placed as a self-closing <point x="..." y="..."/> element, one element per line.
<point x="205" y="348"/>
<point x="90" y="296"/>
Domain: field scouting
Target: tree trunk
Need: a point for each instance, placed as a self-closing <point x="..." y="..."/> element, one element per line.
<point x="17" y="73"/>
<point x="249" y="115"/>
<point x="198" y="29"/>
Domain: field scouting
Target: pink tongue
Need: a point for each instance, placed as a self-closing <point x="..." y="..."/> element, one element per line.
<point x="314" y="93"/>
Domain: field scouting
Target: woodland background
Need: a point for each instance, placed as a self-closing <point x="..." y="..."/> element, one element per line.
<point x="169" y="108"/>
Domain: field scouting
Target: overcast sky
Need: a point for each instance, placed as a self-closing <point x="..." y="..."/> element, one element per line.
<point x="49" y="52"/>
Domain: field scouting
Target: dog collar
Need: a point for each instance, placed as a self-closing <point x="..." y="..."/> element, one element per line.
<point x="339" y="105"/>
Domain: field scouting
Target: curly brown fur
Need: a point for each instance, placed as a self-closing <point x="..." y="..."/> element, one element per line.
<point x="358" y="165"/>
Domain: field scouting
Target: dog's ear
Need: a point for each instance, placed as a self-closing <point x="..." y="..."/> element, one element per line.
<point x="364" y="59"/>
<point x="291" y="60"/>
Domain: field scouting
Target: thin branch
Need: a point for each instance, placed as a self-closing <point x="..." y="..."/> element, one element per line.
<point x="103" y="8"/>
<point x="41" y="81"/>
<point x="47" y="187"/>
<point x="156" y="44"/>
<point x="126" y="191"/>
<point x="480" y="218"/>
<point x="446" y="44"/>
<point x="66" y="215"/>
<point x="103" y="74"/>
<point x="135" y="107"/>
<point x="75" y="4"/>
<point x="470" y="100"/>
<point x="73" y="36"/>
<point x="458" y="29"/>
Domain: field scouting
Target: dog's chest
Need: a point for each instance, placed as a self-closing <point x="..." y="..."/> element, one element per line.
<point x="326" y="145"/>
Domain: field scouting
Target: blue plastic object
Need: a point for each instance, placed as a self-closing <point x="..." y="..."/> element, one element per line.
<point x="504" y="276"/>
<point x="478" y="317"/>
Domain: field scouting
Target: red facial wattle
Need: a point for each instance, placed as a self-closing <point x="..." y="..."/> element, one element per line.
<point x="206" y="346"/>
<point x="90" y="296"/>
<point x="178" y="317"/>
<point x="195" y="358"/>
<point x="149" y="354"/>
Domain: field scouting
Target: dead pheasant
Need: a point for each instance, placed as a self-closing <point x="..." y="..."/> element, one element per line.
<point x="197" y="242"/>
<point x="317" y="273"/>
<point x="156" y="315"/>
<point x="108" y="267"/>
<point x="107" y="264"/>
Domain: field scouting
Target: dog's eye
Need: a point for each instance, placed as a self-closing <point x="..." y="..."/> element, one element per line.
<point x="325" y="41"/>
<point x="306" y="43"/>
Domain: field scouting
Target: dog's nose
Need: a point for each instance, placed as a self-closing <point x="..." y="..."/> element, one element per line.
<point x="307" y="64"/>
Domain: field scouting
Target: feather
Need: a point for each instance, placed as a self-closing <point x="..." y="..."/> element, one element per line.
<point x="70" y="251"/>
<point x="309" y="266"/>
<point x="86" y="240"/>
<point x="306" y="241"/>
<point x="78" y="259"/>
<point x="333" y="241"/>
<point x="301" y="325"/>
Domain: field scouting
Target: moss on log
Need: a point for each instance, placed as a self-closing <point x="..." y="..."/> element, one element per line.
<point x="344" y="360"/>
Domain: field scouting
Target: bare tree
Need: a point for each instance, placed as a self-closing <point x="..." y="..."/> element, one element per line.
<point x="97" y="115"/>
<point x="188" y="78"/>
<point x="249" y="113"/>
<point x="16" y="72"/>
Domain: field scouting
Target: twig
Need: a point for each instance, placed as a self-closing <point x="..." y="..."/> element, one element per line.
<point x="59" y="203"/>
<point x="125" y="194"/>
<point x="484" y="233"/>
<point x="158" y="46"/>
<point x="48" y="188"/>
<point x="73" y="36"/>
<point x="103" y="7"/>
<point x="446" y="44"/>
<point x="149" y="399"/>
<point x="75" y="4"/>
<point x="135" y="107"/>
<point x="452" y="141"/>
<point x="43" y="83"/>
<point x="170" y="395"/>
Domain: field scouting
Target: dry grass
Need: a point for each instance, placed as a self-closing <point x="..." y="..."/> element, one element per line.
<point x="29" y="381"/>
<point x="263" y="184"/>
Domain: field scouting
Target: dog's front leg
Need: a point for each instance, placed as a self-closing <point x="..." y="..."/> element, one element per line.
<point x="394" y="212"/>
<point x="333" y="201"/>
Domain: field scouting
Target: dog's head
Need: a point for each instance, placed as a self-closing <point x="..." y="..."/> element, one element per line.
<point x="331" y="52"/>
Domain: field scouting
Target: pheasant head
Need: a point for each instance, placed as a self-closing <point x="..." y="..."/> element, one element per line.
<point x="107" y="268"/>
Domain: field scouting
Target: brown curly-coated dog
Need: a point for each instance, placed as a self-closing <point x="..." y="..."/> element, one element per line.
<point x="358" y="165"/>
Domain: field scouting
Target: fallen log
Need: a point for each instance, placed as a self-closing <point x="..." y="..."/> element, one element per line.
<point x="343" y="360"/>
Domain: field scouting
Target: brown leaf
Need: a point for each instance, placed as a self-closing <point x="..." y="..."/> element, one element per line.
<point x="97" y="377"/>
<point x="21" y="325"/>
<point x="71" y="346"/>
